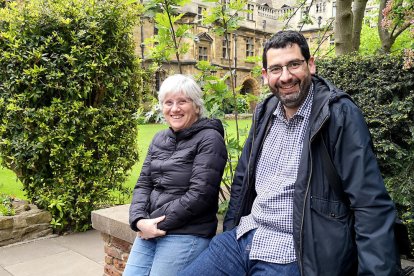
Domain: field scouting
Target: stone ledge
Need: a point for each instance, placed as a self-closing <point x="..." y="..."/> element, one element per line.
<point x="113" y="221"/>
<point x="28" y="223"/>
<point x="240" y="116"/>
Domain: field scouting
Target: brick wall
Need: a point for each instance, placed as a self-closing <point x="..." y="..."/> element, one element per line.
<point x="117" y="236"/>
<point x="117" y="253"/>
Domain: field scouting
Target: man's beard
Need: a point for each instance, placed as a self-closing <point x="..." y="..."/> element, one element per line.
<point x="296" y="99"/>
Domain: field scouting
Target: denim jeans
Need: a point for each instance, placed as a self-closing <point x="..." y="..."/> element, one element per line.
<point x="163" y="256"/>
<point x="228" y="256"/>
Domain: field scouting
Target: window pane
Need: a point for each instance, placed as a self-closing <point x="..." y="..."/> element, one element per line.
<point x="249" y="47"/>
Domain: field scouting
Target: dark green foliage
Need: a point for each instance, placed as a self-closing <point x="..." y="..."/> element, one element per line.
<point x="69" y="89"/>
<point x="385" y="93"/>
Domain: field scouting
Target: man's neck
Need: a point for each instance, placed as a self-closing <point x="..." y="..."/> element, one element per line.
<point x="290" y="112"/>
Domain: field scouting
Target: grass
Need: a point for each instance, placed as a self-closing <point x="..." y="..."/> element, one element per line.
<point x="10" y="185"/>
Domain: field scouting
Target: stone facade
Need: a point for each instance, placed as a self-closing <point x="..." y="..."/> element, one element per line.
<point x="267" y="17"/>
<point x="28" y="223"/>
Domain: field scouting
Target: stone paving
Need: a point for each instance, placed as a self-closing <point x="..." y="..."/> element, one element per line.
<point x="76" y="254"/>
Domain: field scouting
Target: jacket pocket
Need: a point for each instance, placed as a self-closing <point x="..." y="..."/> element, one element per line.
<point x="329" y="208"/>
<point x="332" y="233"/>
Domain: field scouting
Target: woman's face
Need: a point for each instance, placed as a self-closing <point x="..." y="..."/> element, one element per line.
<point x="179" y="111"/>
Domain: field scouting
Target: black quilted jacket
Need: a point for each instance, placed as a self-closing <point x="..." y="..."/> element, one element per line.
<point x="180" y="179"/>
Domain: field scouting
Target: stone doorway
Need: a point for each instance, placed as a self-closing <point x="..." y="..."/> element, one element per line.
<point x="250" y="86"/>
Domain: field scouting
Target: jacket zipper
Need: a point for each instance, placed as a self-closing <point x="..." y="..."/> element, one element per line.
<point x="306" y="196"/>
<point x="237" y="216"/>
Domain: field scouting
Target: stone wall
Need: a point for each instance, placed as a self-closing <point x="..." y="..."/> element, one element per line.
<point x="28" y="223"/>
<point x="118" y="236"/>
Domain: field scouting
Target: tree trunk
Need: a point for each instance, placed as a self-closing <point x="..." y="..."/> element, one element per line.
<point x="358" y="11"/>
<point x="343" y="27"/>
<point x="173" y="36"/>
<point x="383" y="33"/>
<point x="388" y="38"/>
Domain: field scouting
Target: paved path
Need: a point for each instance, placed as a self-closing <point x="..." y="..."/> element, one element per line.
<point x="76" y="254"/>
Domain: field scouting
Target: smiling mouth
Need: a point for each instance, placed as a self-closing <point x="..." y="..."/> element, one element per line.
<point x="288" y="86"/>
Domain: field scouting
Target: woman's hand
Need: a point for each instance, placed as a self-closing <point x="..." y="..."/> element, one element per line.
<point x="148" y="228"/>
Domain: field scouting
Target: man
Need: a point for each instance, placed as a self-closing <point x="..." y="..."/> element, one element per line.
<point x="284" y="217"/>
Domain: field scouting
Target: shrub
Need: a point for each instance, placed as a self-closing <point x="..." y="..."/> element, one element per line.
<point x="69" y="88"/>
<point x="6" y="207"/>
<point x="385" y="93"/>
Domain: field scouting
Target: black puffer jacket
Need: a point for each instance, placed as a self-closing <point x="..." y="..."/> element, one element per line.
<point x="180" y="179"/>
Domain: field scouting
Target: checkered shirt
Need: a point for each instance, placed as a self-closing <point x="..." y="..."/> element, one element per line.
<point x="276" y="172"/>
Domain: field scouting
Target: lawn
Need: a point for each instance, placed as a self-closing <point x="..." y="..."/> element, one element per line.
<point x="9" y="184"/>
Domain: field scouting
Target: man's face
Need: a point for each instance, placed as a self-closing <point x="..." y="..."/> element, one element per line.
<point x="291" y="84"/>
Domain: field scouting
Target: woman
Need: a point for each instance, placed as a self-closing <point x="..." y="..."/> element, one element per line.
<point x="175" y="200"/>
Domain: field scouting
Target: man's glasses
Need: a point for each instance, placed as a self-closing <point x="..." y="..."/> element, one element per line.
<point x="293" y="67"/>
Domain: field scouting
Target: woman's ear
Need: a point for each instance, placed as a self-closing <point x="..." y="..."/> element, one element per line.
<point x="197" y="108"/>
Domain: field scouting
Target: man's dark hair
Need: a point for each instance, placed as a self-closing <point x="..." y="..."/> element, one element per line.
<point x="282" y="39"/>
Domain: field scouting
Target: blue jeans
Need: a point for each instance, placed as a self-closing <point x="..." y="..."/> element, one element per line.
<point x="228" y="256"/>
<point x="163" y="256"/>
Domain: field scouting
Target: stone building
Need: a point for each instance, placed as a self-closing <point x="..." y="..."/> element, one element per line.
<point x="267" y="17"/>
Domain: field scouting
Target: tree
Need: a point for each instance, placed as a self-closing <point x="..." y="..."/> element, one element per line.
<point x="68" y="95"/>
<point x="224" y="17"/>
<point x="371" y="43"/>
<point x="395" y="16"/>
<point x="348" y="25"/>
<point x="171" y="31"/>
<point x="358" y="11"/>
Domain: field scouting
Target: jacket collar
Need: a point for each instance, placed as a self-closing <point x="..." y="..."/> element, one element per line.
<point x="200" y="124"/>
<point x="326" y="94"/>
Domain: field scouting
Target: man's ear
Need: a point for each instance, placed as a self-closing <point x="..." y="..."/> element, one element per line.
<point x="312" y="65"/>
<point x="264" y="75"/>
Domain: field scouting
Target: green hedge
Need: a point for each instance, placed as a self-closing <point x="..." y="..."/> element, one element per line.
<point x="385" y="93"/>
<point x="69" y="91"/>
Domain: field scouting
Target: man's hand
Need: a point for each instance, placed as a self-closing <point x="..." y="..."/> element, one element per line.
<point x="148" y="228"/>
